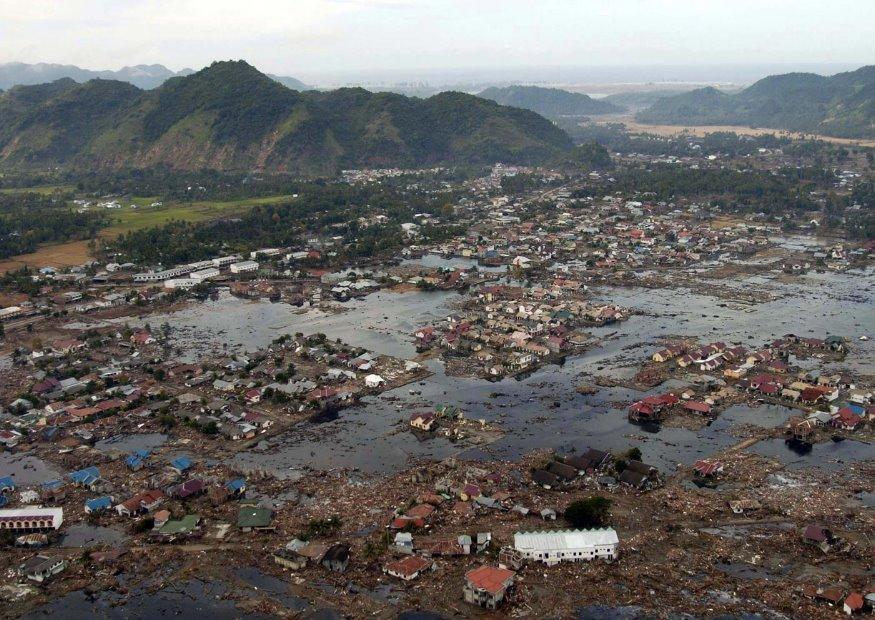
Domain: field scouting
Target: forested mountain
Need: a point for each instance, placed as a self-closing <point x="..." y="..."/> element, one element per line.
<point x="229" y="116"/>
<point x="549" y="102"/>
<point x="141" y="76"/>
<point x="841" y="105"/>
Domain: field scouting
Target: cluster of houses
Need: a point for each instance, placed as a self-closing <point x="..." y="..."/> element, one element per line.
<point x="509" y="329"/>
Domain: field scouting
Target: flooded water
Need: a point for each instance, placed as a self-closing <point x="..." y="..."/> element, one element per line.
<point x="131" y="443"/>
<point x="26" y="470"/>
<point x="542" y="410"/>
<point x="84" y="536"/>
<point x="188" y="599"/>
<point x="827" y="455"/>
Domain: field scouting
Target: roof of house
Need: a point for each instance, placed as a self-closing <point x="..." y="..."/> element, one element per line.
<point x="408" y="566"/>
<point x="490" y="578"/>
<point x="181" y="526"/>
<point x="253" y="516"/>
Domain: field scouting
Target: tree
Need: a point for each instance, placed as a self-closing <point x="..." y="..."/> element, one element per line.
<point x="592" y="512"/>
<point x="634" y="454"/>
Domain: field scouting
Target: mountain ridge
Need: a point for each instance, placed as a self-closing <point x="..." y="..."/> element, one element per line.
<point x="549" y="102"/>
<point x="841" y="105"/>
<point x="230" y="116"/>
<point x="142" y="76"/>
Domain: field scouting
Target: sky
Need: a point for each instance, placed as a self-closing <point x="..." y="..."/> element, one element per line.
<point x="336" y="40"/>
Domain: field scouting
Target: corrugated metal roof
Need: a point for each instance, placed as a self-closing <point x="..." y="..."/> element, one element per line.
<point x="565" y="539"/>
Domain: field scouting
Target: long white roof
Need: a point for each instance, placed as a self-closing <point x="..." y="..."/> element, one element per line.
<point x="565" y="539"/>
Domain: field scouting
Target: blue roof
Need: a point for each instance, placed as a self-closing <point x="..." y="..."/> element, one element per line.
<point x="133" y="460"/>
<point x="99" y="503"/>
<point x="53" y="484"/>
<point x="858" y="409"/>
<point x="6" y="482"/>
<point x="181" y="463"/>
<point x="3" y="500"/>
<point x="141" y="453"/>
<point x="235" y="485"/>
<point x="89" y="475"/>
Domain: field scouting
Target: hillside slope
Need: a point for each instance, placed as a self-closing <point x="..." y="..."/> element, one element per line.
<point x="841" y="105"/>
<point x="229" y="116"/>
<point x="549" y="102"/>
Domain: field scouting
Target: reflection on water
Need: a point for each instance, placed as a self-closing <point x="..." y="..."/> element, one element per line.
<point x="131" y="443"/>
<point x="374" y="438"/>
<point x="27" y="470"/>
<point x="828" y="455"/>
<point x="84" y="535"/>
<point x="188" y="599"/>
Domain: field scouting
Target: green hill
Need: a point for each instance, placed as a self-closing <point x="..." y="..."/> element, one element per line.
<point x="229" y="116"/>
<point x="550" y="102"/>
<point x="841" y="105"/>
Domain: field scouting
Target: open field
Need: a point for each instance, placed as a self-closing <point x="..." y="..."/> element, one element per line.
<point x="40" y="189"/>
<point x="127" y="220"/>
<point x="702" y="130"/>
<point x="55" y="255"/>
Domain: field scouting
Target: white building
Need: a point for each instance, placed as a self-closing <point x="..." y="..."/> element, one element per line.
<point x="374" y="381"/>
<point x="204" y="274"/>
<point x="225" y="260"/>
<point x="31" y="519"/>
<point x="180" y="283"/>
<point x="552" y="547"/>
<point x="244" y="266"/>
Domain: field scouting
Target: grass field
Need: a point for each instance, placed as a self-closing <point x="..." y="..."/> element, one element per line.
<point x="40" y="189"/>
<point x="127" y="219"/>
<point x="57" y="255"/>
<point x="702" y="130"/>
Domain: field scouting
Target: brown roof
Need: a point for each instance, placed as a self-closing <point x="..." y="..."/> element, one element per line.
<point x="490" y="578"/>
<point x="408" y="566"/>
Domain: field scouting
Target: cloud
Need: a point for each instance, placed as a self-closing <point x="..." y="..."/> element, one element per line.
<point x="311" y="37"/>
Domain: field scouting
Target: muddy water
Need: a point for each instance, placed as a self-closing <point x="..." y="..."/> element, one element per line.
<point x="188" y="599"/>
<point x="131" y="443"/>
<point x="542" y="410"/>
<point x="83" y="535"/>
<point x="26" y="470"/>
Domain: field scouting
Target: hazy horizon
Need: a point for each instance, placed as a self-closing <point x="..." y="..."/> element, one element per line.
<point x="333" y="42"/>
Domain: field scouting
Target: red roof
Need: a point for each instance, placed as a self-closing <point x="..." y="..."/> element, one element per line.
<point x="408" y="566"/>
<point x="698" y="407"/>
<point x="490" y="578"/>
<point x="421" y="511"/>
<point x="854" y="601"/>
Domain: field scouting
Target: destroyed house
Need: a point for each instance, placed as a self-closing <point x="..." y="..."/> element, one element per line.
<point x="408" y="568"/>
<point x="592" y="459"/>
<point x="41" y="568"/>
<point x="336" y="559"/>
<point x="141" y="502"/>
<point x="188" y="489"/>
<point x="545" y="478"/>
<point x="562" y="471"/>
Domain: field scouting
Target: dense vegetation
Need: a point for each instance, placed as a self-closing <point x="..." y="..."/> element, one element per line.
<point x="840" y="105"/>
<point x="740" y="190"/>
<point x="28" y="219"/>
<point x="231" y="117"/>
<point x="549" y="102"/>
<point x="588" y="513"/>
<point x="328" y="209"/>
